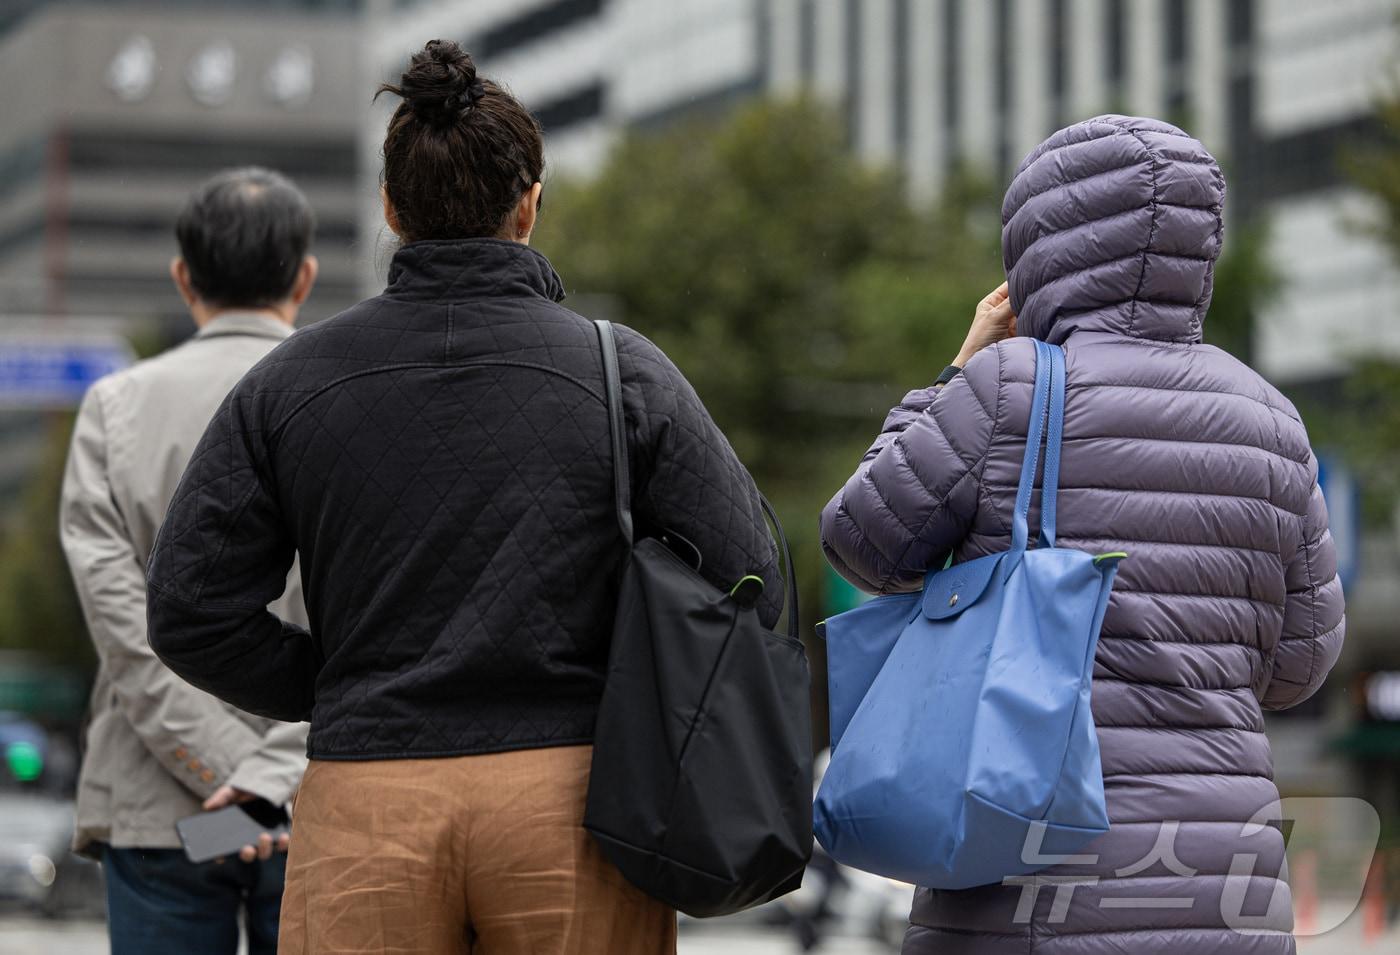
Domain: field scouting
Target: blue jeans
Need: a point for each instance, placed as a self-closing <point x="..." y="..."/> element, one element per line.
<point x="160" y="903"/>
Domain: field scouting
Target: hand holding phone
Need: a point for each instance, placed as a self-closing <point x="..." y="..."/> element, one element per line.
<point x="248" y="830"/>
<point x="227" y="795"/>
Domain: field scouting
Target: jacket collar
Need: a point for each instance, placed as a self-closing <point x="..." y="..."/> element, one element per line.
<point x="244" y="323"/>
<point x="460" y="269"/>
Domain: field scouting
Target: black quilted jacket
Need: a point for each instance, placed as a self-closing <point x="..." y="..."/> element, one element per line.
<point x="439" y="457"/>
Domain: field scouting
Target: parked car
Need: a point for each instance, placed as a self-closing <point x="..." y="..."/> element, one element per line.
<point x="36" y="867"/>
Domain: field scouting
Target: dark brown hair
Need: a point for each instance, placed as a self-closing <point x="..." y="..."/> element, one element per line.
<point x="460" y="151"/>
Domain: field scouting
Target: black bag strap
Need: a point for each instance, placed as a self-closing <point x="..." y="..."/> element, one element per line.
<point x="622" y="481"/>
<point x="790" y="597"/>
<point x="617" y="429"/>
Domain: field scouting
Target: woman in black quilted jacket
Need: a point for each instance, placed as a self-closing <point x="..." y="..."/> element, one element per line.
<point x="439" y="456"/>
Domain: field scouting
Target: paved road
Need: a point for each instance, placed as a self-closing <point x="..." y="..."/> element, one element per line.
<point x="20" y="936"/>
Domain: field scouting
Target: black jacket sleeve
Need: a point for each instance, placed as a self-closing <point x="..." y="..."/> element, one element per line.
<point x="221" y="557"/>
<point x="687" y="478"/>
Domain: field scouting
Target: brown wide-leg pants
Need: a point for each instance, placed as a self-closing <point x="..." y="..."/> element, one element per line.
<point x="473" y="854"/>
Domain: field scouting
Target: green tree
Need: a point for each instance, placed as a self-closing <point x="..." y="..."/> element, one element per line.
<point x="38" y="607"/>
<point x="1375" y="165"/>
<point x="1245" y="282"/>
<point x="1362" y="417"/>
<point x="39" y="610"/>
<point x="795" y="286"/>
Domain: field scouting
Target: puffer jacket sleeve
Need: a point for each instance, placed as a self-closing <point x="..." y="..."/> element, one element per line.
<point x="1314" y="619"/>
<point x="915" y="493"/>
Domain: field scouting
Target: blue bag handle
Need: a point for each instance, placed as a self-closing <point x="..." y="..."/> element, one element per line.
<point x="1050" y="486"/>
<point x="1048" y="406"/>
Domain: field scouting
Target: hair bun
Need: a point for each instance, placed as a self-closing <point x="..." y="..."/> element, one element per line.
<point x="440" y="85"/>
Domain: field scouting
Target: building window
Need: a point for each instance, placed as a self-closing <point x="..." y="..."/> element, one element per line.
<point x="807" y="41"/>
<point x="1002" y="25"/>
<point x="901" y="41"/>
<point x="1176" y="32"/>
<point x="952" y="56"/>
<point x="1059" y="80"/>
<point x="207" y="154"/>
<point x="576" y="107"/>
<point x="1116" y="24"/>
<point x="1001" y="29"/>
<point x="763" y="40"/>
<point x="1177" y="69"/>
<point x="1240" y="22"/>
<point x="853" y="74"/>
<point x="530" y="27"/>
<point x="23" y="164"/>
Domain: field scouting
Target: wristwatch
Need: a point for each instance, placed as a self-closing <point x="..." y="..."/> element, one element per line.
<point x="949" y="373"/>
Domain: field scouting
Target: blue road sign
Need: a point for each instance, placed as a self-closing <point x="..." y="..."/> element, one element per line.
<point x="1343" y="498"/>
<point x="41" y="371"/>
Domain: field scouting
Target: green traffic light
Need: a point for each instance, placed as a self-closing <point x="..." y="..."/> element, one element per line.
<point x="25" y="761"/>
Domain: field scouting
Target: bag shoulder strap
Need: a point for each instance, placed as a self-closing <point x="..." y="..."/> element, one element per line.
<point x="790" y="569"/>
<point x="622" y="487"/>
<point x="617" y="430"/>
<point x="1046" y="427"/>
<point x="1030" y="463"/>
<point x="1054" y="434"/>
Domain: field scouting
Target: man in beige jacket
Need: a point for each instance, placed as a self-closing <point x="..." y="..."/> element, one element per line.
<point x="158" y="749"/>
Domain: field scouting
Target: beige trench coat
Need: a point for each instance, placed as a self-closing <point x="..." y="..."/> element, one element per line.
<point x="156" y="746"/>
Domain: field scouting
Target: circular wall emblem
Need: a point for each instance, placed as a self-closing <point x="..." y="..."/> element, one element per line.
<point x="211" y="73"/>
<point x="291" y="77"/>
<point x="132" y="72"/>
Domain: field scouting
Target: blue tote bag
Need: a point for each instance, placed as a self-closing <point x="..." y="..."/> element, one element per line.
<point x="963" y="748"/>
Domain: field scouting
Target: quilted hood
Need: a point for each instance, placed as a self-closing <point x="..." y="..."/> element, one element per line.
<point x="1114" y="224"/>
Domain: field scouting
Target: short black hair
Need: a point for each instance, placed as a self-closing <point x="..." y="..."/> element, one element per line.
<point x="244" y="234"/>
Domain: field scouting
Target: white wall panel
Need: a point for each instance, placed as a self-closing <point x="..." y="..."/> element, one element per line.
<point x="1030" y="76"/>
<point x="1341" y="294"/>
<point x="579" y="151"/>
<point x="541" y="73"/>
<point x="666" y="54"/>
<point x="784" y="52"/>
<point x="829" y="60"/>
<point x="1321" y="62"/>
<point x="1146" y="55"/>
<point x="926" y="156"/>
<point x="875" y="132"/>
<point x="977" y="113"/>
<point x="1207" y="76"/>
<point x="1086" y="59"/>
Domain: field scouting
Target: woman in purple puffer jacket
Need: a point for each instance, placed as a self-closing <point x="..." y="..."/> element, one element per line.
<point x="1174" y="452"/>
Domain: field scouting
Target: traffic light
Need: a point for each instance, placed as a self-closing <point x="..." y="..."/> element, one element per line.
<point x="24" y="760"/>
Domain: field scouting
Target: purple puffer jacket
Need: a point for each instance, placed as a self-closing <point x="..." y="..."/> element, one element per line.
<point x="1175" y="452"/>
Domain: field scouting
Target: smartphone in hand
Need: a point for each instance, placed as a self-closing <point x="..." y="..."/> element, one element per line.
<point x="213" y="835"/>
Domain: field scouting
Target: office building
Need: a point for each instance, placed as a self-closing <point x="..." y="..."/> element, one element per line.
<point x="116" y="111"/>
<point x="113" y="113"/>
<point x="1276" y="88"/>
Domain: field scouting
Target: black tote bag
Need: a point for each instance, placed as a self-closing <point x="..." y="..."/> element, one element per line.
<point x="701" y="788"/>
